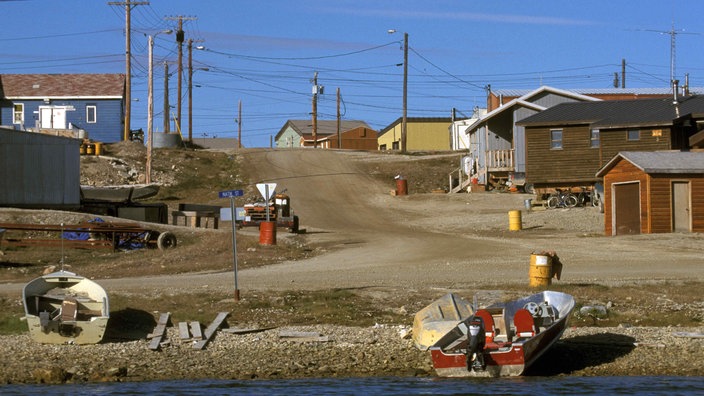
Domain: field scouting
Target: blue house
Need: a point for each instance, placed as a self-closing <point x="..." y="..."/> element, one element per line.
<point x="72" y="105"/>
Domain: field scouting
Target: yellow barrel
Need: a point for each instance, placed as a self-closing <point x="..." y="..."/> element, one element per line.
<point x="540" y="271"/>
<point x="514" y="220"/>
<point x="98" y="148"/>
<point x="90" y="149"/>
<point x="267" y="233"/>
<point x="82" y="150"/>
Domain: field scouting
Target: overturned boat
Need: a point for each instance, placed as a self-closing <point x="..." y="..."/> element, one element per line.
<point x="63" y="307"/>
<point x="503" y="339"/>
<point x="438" y="318"/>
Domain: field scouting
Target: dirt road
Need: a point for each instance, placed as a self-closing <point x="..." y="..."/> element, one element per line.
<point x="434" y="241"/>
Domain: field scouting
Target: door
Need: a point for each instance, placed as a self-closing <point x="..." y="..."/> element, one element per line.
<point x="52" y="117"/>
<point x="626" y="208"/>
<point x="681" y="207"/>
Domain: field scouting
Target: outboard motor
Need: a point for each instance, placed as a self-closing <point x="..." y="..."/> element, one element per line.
<point x="477" y="341"/>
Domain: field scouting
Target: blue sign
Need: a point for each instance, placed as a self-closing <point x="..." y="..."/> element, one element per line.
<point x="231" y="193"/>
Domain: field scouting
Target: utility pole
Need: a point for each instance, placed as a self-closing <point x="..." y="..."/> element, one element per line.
<point x="405" y="92"/>
<point x="190" y="88"/>
<point x="239" y="124"/>
<point x="315" y="110"/>
<point x="167" y="122"/>
<point x="128" y="61"/>
<point x="623" y="73"/>
<point x="339" y="138"/>
<point x="179" y="40"/>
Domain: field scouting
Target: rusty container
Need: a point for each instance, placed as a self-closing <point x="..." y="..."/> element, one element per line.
<point x="401" y="186"/>
<point x="267" y="233"/>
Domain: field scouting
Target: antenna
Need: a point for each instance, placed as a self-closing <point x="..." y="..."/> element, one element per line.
<point x="673" y="34"/>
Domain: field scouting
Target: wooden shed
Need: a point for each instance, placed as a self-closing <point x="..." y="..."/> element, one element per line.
<point x="653" y="192"/>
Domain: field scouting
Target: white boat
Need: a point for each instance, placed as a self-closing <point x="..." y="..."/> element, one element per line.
<point x="63" y="307"/>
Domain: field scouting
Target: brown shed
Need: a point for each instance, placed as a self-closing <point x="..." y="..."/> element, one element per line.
<point x="653" y="192"/>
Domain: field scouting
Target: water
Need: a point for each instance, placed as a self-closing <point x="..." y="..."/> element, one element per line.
<point x="533" y="386"/>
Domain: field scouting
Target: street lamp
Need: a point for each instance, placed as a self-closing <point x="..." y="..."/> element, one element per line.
<point x="190" y="87"/>
<point x="150" y="106"/>
<point x="405" y="89"/>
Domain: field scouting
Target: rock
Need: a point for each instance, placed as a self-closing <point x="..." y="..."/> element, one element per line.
<point x="53" y="375"/>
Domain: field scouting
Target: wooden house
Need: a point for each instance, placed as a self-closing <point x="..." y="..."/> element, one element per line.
<point x="653" y="192"/>
<point x="299" y="133"/>
<point x="71" y="105"/>
<point x="422" y="133"/>
<point x="567" y="144"/>
<point x="360" y="138"/>
<point x="497" y="143"/>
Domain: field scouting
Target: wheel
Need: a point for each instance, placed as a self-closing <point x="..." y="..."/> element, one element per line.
<point x="571" y="200"/>
<point x="166" y="240"/>
<point x="294" y="228"/>
<point x="534" y="309"/>
<point x="553" y="202"/>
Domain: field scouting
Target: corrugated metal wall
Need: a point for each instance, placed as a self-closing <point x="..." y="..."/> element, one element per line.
<point x="39" y="171"/>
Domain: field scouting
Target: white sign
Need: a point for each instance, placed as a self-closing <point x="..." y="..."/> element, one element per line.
<point x="266" y="189"/>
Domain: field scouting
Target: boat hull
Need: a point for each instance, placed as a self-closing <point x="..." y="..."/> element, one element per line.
<point x="65" y="308"/>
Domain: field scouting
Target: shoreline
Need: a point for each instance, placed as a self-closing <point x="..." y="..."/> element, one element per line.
<point x="345" y="352"/>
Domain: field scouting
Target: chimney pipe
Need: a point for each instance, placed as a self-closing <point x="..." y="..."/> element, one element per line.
<point x="675" y="100"/>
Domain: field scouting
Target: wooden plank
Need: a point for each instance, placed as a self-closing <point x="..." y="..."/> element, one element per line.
<point x="211" y="329"/>
<point x="298" y="334"/>
<point x="235" y="330"/>
<point x="196" y="331"/>
<point x="303" y="336"/>
<point x="183" y="332"/>
<point x="159" y="331"/>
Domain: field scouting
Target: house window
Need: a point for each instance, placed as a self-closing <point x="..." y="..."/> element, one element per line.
<point x="395" y="146"/>
<point x="18" y="113"/>
<point x="382" y="147"/>
<point x="91" y="114"/>
<point x="594" y="138"/>
<point x="633" y="134"/>
<point x="556" y="138"/>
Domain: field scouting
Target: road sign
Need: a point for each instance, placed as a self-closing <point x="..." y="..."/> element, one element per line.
<point x="230" y="193"/>
<point x="266" y="189"/>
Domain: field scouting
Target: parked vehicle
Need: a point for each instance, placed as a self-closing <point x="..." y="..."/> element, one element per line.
<point x="280" y="211"/>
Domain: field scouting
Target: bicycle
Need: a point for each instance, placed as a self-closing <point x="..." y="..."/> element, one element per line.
<point x="562" y="199"/>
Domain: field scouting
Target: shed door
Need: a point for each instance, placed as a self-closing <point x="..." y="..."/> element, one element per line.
<point x="626" y="201"/>
<point x="681" y="219"/>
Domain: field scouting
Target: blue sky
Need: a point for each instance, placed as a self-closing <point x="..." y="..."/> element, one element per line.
<point x="265" y="53"/>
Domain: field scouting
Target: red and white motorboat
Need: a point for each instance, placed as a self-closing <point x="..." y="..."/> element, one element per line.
<point x="503" y="339"/>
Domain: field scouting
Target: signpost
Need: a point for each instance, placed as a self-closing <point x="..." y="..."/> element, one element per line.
<point x="266" y="190"/>
<point x="232" y="194"/>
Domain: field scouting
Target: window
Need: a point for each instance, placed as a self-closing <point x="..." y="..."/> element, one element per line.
<point x="594" y="139"/>
<point x="633" y="134"/>
<point x="91" y="114"/>
<point x="556" y="138"/>
<point x="18" y="113"/>
<point x="395" y="146"/>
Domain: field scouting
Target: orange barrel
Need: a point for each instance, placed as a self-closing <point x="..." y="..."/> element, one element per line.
<point x="267" y="233"/>
<point x="540" y="271"/>
<point x="90" y="149"/>
<point x="514" y="220"/>
<point x="98" y="148"/>
<point x="401" y="186"/>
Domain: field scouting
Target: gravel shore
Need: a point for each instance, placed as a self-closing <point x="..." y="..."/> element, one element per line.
<point x="340" y="352"/>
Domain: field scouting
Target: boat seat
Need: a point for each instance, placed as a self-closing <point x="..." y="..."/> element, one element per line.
<point x="69" y="310"/>
<point x="524" y="323"/>
<point x="489" y="329"/>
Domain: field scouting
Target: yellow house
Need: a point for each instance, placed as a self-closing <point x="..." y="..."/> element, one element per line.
<point x="421" y="134"/>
